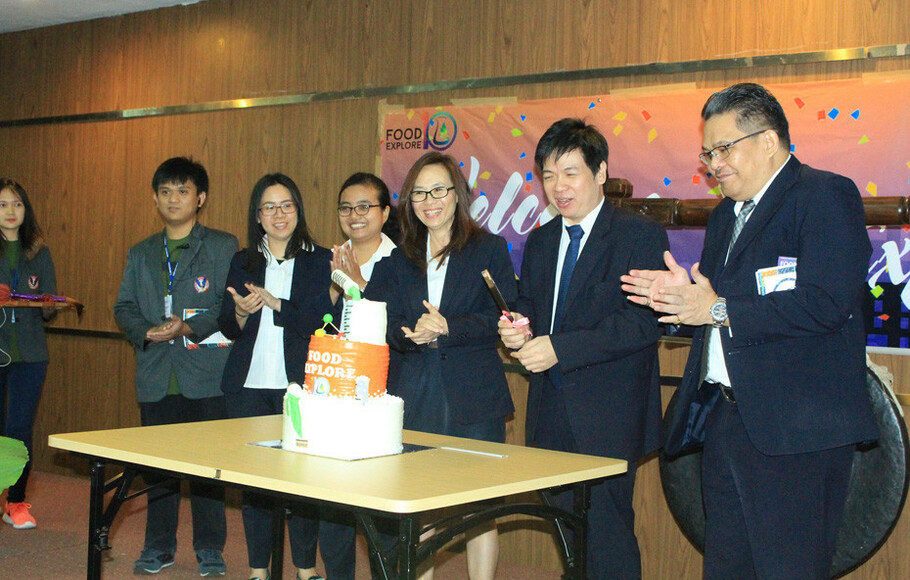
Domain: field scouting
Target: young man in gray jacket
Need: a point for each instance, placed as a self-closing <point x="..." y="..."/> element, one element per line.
<point x="168" y="305"/>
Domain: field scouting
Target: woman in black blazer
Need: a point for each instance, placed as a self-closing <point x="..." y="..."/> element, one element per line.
<point x="277" y="293"/>
<point x="442" y="326"/>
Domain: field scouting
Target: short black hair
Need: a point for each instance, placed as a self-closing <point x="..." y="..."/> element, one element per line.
<point x="568" y="135"/>
<point x="368" y="180"/>
<point x="181" y="170"/>
<point x="755" y="109"/>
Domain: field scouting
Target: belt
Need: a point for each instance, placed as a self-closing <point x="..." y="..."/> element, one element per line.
<point x="725" y="391"/>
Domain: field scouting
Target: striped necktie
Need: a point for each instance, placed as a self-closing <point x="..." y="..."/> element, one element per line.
<point x="744" y="212"/>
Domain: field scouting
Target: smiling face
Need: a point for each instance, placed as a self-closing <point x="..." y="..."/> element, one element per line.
<point x="12" y="214"/>
<point x="178" y="202"/>
<point x="362" y="228"/>
<point x="437" y="215"/>
<point x="750" y="163"/>
<point x="279" y="226"/>
<point x="571" y="187"/>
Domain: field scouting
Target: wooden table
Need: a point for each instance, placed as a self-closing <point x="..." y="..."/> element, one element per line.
<point x="452" y="472"/>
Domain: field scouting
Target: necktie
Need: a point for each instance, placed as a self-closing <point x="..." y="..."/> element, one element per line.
<point x="568" y="266"/>
<point x="744" y="212"/>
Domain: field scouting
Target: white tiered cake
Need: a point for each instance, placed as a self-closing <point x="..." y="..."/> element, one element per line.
<point x="343" y="410"/>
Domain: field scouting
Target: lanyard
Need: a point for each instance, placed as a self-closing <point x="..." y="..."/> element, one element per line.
<point x="171" y="269"/>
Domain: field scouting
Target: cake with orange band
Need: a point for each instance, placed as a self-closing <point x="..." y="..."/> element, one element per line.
<point x="343" y="410"/>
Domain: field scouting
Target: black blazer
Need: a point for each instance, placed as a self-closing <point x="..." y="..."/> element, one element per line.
<point x="471" y="367"/>
<point x="300" y="316"/>
<point x="607" y="347"/>
<point x="796" y="358"/>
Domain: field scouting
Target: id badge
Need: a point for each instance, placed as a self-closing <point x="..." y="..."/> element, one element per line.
<point x="168" y="305"/>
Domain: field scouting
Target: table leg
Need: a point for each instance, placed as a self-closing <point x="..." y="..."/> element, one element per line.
<point x="95" y="519"/>
<point x="408" y="539"/>
<point x="581" y="501"/>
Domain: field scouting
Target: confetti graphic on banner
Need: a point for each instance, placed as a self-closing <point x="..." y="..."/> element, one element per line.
<point x="523" y="118"/>
<point x="863" y="139"/>
<point x="617" y="129"/>
<point x="822" y="115"/>
<point x="592" y="105"/>
<point x="620" y="116"/>
<point x="491" y="118"/>
<point x="667" y="182"/>
<point x="523" y="155"/>
<point x="715" y="191"/>
<point x="696" y="179"/>
<point x="877" y="291"/>
<point x="652" y="135"/>
<point x="485" y="175"/>
<point x="646" y="115"/>
<point x="833" y="114"/>
<point x="466" y="134"/>
<point x="855" y="114"/>
<point x="872" y="188"/>
<point x="517" y="133"/>
<point x="410" y="114"/>
<point x="529" y="176"/>
<point x="799" y="102"/>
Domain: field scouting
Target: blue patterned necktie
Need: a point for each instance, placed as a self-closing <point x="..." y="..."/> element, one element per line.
<point x="744" y="212"/>
<point x="568" y="266"/>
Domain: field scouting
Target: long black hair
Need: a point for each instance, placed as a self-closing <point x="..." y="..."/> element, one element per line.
<point x="300" y="237"/>
<point x="30" y="236"/>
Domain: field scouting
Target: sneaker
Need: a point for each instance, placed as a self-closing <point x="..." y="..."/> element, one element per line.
<point x="210" y="563"/>
<point x="16" y="514"/>
<point x="152" y="561"/>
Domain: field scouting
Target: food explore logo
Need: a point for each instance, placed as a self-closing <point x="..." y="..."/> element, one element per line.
<point x="439" y="134"/>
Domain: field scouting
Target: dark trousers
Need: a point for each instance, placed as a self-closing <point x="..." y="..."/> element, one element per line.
<point x="20" y="391"/>
<point x="206" y="501"/>
<point x="768" y="516"/>
<point x="613" y="552"/>
<point x="334" y="529"/>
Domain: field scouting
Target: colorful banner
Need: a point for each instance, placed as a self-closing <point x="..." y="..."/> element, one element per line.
<point x="857" y="128"/>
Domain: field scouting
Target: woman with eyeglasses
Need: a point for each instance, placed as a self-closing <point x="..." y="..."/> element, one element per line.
<point x="364" y="207"/>
<point x="442" y="324"/>
<point x="277" y="293"/>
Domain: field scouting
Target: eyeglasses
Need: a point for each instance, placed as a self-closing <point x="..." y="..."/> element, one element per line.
<point x="440" y="192"/>
<point x="269" y="209"/>
<point x="723" y="151"/>
<point x="361" y="209"/>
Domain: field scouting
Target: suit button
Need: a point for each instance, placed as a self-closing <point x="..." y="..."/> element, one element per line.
<point x="443" y="356"/>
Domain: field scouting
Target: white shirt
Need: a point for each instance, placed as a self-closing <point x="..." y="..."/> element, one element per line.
<point x="716" y="366"/>
<point x="267" y="369"/>
<point x="383" y="251"/>
<point x="436" y="277"/>
<point x="587" y="224"/>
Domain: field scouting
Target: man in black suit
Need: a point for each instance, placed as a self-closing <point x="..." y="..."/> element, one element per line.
<point x="775" y="382"/>
<point x="593" y="355"/>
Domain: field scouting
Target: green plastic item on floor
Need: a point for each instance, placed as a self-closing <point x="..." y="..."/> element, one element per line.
<point x="13" y="457"/>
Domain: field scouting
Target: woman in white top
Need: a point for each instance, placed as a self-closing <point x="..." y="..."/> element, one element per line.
<point x="364" y="206"/>
<point x="276" y="296"/>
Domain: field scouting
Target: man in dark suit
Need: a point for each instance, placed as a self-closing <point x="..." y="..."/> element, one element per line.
<point x="775" y="382"/>
<point x="593" y="355"/>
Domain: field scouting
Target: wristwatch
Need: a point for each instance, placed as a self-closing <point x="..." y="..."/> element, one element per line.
<point x="719" y="312"/>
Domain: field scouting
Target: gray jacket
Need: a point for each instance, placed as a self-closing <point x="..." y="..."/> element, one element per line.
<point x="199" y="283"/>
<point x="36" y="276"/>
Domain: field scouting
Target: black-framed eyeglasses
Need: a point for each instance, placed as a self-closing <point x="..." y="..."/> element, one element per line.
<point x="723" y="151"/>
<point x="440" y="192"/>
<point x="269" y="209"/>
<point x="359" y="209"/>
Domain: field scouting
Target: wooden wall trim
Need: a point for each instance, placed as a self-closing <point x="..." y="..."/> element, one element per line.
<point x="654" y="68"/>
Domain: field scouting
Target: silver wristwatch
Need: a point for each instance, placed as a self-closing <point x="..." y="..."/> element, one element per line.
<point x="719" y="312"/>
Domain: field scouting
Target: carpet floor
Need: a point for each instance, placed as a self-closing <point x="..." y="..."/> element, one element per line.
<point x="57" y="548"/>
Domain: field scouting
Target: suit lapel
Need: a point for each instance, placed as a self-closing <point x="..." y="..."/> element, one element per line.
<point x="595" y="246"/>
<point x="550" y="238"/>
<point x="765" y="210"/>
